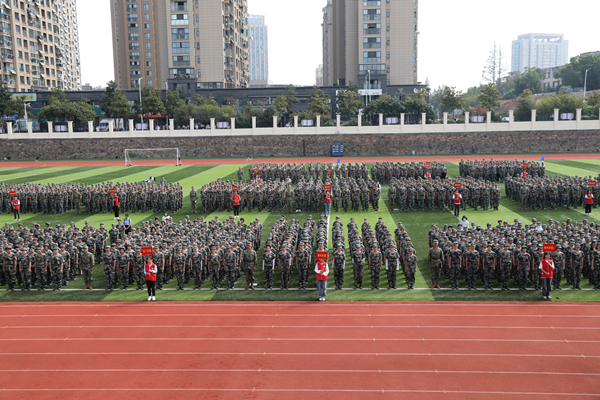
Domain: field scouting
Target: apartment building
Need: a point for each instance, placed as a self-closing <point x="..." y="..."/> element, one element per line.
<point x="259" y="51"/>
<point x="39" y="45"/>
<point x="180" y="44"/>
<point x="539" y="50"/>
<point x="371" y="42"/>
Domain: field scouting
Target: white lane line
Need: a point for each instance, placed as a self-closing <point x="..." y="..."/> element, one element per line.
<point x="314" y="315"/>
<point x="369" y="316"/>
<point x="580" y="356"/>
<point x="391" y="303"/>
<point x="351" y="339"/>
<point x="367" y="371"/>
<point x="315" y="390"/>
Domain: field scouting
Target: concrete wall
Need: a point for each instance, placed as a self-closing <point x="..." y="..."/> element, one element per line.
<point x="310" y="145"/>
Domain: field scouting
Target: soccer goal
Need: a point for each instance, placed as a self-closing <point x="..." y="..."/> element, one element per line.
<point x="152" y="157"/>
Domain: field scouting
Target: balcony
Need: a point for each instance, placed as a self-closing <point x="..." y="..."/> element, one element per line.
<point x="371" y="17"/>
<point x="181" y="63"/>
<point x="175" y="7"/>
<point x="372" y="31"/>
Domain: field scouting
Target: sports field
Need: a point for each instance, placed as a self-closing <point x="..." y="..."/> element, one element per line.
<point x="416" y="223"/>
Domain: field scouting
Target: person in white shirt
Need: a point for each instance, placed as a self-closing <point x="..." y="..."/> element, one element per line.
<point x="166" y="218"/>
<point x="464" y="222"/>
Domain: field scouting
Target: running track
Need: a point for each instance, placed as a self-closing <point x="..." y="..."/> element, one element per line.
<point x="113" y="162"/>
<point x="300" y="351"/>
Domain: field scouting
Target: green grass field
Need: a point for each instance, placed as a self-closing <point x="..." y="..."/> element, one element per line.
<point x="416" y="223"/>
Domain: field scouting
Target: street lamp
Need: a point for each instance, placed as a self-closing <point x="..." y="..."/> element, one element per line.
<point x="585" y="84"/>
<point x="369" y="86"/>
<point x="141" y="114"/>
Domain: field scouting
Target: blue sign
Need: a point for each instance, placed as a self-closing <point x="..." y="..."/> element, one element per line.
<point x="543" y="158"/>
<point x="10" y="117"/>
<point x="338" y="160"/>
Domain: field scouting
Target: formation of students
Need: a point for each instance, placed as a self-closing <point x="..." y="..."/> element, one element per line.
<point x="497" y="171"/>
<point x="512" y="252"/>
<point x="93" y="199"/>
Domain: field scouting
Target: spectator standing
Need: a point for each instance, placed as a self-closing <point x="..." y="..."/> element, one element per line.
<point x="464" y="222"/>
<point x="116" y="205"/>
<point x="589" y="202"/>
<point x="322" y="270"/>
<point x="127" y="223"/>
<point x="150" y="271"/>
<point x="547" y="272"/>
<point x="163" y="181"/>
<point x="16" y="206"/>
<point x="235" y="199"/>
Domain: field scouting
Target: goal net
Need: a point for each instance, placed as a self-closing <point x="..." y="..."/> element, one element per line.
<point x="152" y="157"/>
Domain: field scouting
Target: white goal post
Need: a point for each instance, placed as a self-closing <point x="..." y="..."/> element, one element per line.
<point x="152" y="157"/>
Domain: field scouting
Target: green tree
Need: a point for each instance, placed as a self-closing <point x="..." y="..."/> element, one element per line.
<point x="284" y="103"/>
<point x="114" y="103"/>
<point x="573" y="74"/>
<point x="349" y="100"/>
<point x="60" y="109"/>
<point x="387" y="105"/>
<point x="526" y="104"/>
<point x="565" y="102"/>
<point x="84" y="112"/>
<point x="531" y="79"/>
<point x="172" y="102"/>
<point x="318" y="104"/>
<point x="416" y="104"/>
<point x="152" y="104"/>
<point x="450" y="99"/>
<point x="489" y="96"/>
<point x="495" y="67"/>
<point x="183" y="113"/>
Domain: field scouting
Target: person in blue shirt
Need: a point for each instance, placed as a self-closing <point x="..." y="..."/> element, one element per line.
<point x="127" y="223"/>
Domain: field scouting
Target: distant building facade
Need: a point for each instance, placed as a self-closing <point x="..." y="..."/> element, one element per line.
<point x="539" y="50"/>
<point x="319" y="75"/>
<point x="259" y="51"/>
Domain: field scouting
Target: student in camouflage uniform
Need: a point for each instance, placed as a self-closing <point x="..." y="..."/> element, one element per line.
<point x="9" y="266"/>
<point x="109" y="266"/>
<point x="214" y="267"/>
<point x="338" y="265"/>
<point x="392" y="265"/>
<point x="268" y="266"/>
<point x="375" y="260"/>
<point x="250" y="261"/>
<point x="87" y="266"/>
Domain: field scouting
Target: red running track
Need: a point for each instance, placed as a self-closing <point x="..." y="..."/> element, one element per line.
<point x="306" y="160"/>
<point x="299" y="350"/>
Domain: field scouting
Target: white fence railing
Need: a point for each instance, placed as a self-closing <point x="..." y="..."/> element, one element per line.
<point x="400" y="128"/>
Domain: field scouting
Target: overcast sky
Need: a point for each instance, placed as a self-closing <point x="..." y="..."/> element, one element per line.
<point x="454" y="41"/>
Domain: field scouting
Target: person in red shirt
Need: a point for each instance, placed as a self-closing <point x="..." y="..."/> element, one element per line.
<point x="327" y="203"/>
<point x="589" y="202"/>
<point x="16" y="206"/>
<point x="457" y="199"/>
<point x="235" y="199"/>
<point x="322" y="270"/>
<point x="524" y="174"/>
<point x="547" y="272"/>
<point x="116" y="205"/>
<point x="150" y="271"/>
<point x="427" y="176"/>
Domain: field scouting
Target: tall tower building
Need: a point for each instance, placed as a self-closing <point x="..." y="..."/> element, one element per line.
<point x="39" y="45"/>
<point x="259" y="50"/>
<point x="180" y="43"/>
<point x="319" y="75"/>
<point x="370" y="38"/>
<point x="539" y="50"/>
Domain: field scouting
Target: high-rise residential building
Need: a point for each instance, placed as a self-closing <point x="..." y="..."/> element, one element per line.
<point x="370" y="38"/>
<point x="539" y="50"/>
<point x="39" y="45"/>
<point x="180" y="43"/>
<point x="259" y="50"/>
<point x="319" y="75"/>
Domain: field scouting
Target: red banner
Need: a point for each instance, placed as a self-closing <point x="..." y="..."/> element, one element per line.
<point x="457" y="184"/>
<point x="322" y="255"/>
<point x="12" y="193"/>
<point x="234" y="188"/>
<point x="427" y="165"/>
<point x="592" y="183"/>
<point x="549" y="247"/>
<point x="112" y="191"/>
<point x="525" y="165"/>
<point x="147" y="251"/>
<point x="256" y="171"/>
<point x="327" y="187"/>
<point x="329" y="171"/>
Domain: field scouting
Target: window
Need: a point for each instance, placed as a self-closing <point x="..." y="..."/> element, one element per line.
<point x="148" y="64"/>
<point x="180" y="33"/>
<point x="147" y="27"/>
<point x="134" y="36"/>
<point x="369" y="3"/>
<point x="388" y="13"/>
<point x="372" y="43"/>
<point x="148" y="54"/>
<point x="149" y="73"/>
<point x="147" y="46"/>
<point x="388" y="27"/>
<point x="146" y="17"/>
<point x="388" y="41"/>
<point x="372" y="15"/>
<point x="146" y="8"/>
<point x="388" y="68"/>
<point x="179" y="19"/>
<point x="147" y="36"/>
<point x="132" y="17"/>
<point x="134" y="46"/>
<point x="371" y="56"/>
<point x="149" y="83"/>
<point x="371" y="29"/>
<point x="134" y="55"/>
<point x="388" y="55"/>
<point x="181" y="61"/>
<point x="181" y="47"/>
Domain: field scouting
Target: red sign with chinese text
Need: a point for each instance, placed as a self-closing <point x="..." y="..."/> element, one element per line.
<point x="457" y="184"/>
<point x="12" y="193"/>
<point x="147" y="251"/>
<point x="234" y="187"/>
<point x="327" y="187"/>
<point x="322" y="255"/>
<point x="592" y="183"/>
<point x="329" y="171"/>
<point x="112" y="191"/>
<point x="549" y="247"/>
<point x="427" y="165"/>
<point x="525" y="165"/>
<point x="256" y="171"/>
